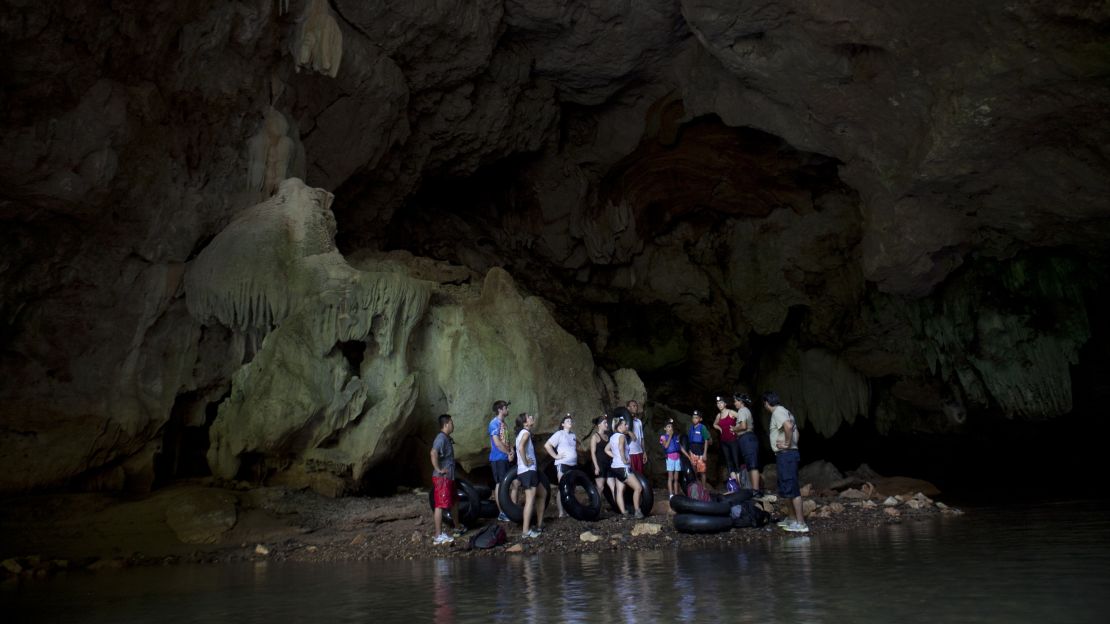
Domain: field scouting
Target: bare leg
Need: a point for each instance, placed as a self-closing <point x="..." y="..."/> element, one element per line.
<point x="541" y="504"/>
<point x="637" y="492"/>
<point x="620" y="496"/>
<point x="529" y="500"/>
<point x="798" y="509"/>
<point x="438" y="516"/>
<point x="754" y="474"/>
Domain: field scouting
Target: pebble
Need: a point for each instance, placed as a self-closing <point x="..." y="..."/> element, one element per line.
<point x="259" y="549"/>
<point x="589" y="537"/>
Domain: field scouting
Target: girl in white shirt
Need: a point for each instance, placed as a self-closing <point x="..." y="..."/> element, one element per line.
<point x="564" y="448"/>
<point x="618" y="450"/>
<point x="528" y="476"/>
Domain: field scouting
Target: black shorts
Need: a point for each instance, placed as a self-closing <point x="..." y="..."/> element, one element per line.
<point x="604" y="473"/>
<point x="529" y="479"/>
<point x="749" y="449"/>
<point x="500" y="469"/>
<point x="620" y="474"/>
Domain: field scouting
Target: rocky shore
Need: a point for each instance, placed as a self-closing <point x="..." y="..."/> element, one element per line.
<point x="199" y="523"/>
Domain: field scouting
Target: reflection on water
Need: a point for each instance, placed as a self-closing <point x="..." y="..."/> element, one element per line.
<point x="1004" y="565"/>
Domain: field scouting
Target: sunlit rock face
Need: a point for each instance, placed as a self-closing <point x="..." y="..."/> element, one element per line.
<point x="892" y="215"/>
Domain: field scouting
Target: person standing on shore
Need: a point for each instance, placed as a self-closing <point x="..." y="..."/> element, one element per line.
<point x="618" y="450"/>
<point x="636" y="455"/>
<point x="500" y="451"/>
<point x="599" y="440"/>
<point x="443" y="480"/>
<point x="749" y="443"/>
<point x="669" y="442"/>
<point x="563" y="447"/>
<point x="784" y="440"/>
<point x="725" y="424"/>
<point x="529" y="476"/>
<point x="699" y="442"/>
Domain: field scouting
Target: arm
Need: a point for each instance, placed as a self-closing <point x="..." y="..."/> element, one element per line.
<point x="549" y="448"/>
<point x="716" y="423"/>
<point x="593" y="453"/>
<point x="500" y="444"/>
<point x="735" y="422"/>
<point x="788" y="431"/>
<point x="435" y="463"/>
<point x="624" y="453"/>
<point x="705" y="445"/>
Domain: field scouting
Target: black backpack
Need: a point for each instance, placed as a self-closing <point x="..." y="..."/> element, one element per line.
<point x="489" y="536"/>
<point x="746" y="514"/>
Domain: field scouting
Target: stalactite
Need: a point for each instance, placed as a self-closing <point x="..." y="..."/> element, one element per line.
<point x="318" y="43"/>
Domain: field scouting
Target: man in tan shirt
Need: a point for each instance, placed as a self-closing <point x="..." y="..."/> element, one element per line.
<point x="784" y="442"/>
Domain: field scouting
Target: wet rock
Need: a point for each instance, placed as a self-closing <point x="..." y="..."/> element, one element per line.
<point x="913" y="503"/>
<point x="646" y="528"/>
<point x="201" y="516"/>
<point x="820" y="473"/>
<point x="261" y="550"/>
<point x="892" y="512"/>
<point x="808" y="506"/>
<point x="358" y="540"/>
<point x="836" y="508"/>
<point x="891" y="501"/>
<point x="868" y="504"/>
<point x="515" y="548"/>
<point x="853" y="493"/>
<point x="588" y="536"/>
<point x="11" y="565"/>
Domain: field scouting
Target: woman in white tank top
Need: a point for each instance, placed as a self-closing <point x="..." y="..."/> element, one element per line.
<point x="529" y="477"/>
<point x="618" y="450"/>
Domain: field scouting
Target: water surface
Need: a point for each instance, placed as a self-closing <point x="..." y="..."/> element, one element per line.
<point x="1022" y="564"/>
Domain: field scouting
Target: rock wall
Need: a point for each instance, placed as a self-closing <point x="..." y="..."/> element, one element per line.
<point x="905" y="203"/>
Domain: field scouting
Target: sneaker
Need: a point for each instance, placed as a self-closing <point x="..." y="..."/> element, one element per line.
<point x="501" y="517"/>
<point x="442" y="538"/>
<point x="531" y="534"/>
<point x="639" y="514"/>
<point x="461" y="530"/>
<point x="797" y="527"/>
<point x="785" y="522"/>
<point x="538" y="529"/>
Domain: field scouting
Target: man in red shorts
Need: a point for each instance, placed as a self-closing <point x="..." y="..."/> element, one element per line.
<point x="443" y="479"/>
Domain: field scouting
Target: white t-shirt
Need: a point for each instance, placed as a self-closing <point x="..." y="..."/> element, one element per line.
<point x="566" y="449"/>
<point x="779" y="417"/>
<point x="744" y="416"/>
<point x="614" y="446"/>
<point x="635" y="447"/>
<point x="529" y="452"/>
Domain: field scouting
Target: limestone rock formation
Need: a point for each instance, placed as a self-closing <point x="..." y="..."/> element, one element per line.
<point x="894" y="214"/>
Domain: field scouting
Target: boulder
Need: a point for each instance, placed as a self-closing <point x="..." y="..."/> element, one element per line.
<point x="588" y="537"/>
<point x="646" y="528"/>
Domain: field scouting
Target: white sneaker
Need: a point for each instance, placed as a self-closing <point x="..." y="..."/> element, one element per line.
<point x="797" y="527"/>
<point x="443" y="538"/>
<point x="531" y="534"/>
<point x="785" y="522"/>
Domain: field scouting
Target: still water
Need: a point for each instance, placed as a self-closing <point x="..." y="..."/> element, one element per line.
<point x="1048" y="563"/>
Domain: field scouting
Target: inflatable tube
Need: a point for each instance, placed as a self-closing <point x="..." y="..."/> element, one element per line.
<point x="737" y="497"/>
<point x="696" y="523"/>
<point x="647" y="499"/>
<point x="469" y="502"/>
<point x="574" y="479"/>
<point x="487" y="509"/>
<point x="484" y="491"/>
<point x="514" y="511"/>
<point x="685" y="504"/>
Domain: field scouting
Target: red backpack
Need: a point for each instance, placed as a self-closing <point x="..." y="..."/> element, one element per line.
<point x="697" y="492"/>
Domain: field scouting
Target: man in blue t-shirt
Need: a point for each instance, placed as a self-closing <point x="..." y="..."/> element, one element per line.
<point x="500" y="451"/>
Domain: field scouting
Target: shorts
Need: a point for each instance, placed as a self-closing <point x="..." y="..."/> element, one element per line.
<point x="529" y="479"/>
<point x="749" y="448"/>
<point x="500" y="469"/>
<point x="637" y="462"/>
<point x="620" y="474"/>
<point x="698" y="462"/>
<point x="787" y="462"/>
<point x="444" y="492"/>
<point x="603" y="473"/>
<point x="674" y="465"/>
<point x="562" y="469"/>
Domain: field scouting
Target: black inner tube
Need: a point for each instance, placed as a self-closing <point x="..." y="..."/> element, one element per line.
<point x="697" y="523"/>
<point x="513" y="510"/>
<point x="572" y="480"/>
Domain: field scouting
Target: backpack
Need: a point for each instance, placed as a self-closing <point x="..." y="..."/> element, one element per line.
<point x="489" y="536"/>
<point x="697" y="492"/>
<point x="746" y="514"/>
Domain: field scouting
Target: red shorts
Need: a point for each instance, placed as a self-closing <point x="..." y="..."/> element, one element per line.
<point x="698" y="462"/>
<point x="444" y="492"/>
<point x="637" y="462"/>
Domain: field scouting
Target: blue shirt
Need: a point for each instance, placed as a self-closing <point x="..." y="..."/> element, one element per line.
<point x="495" y="429"/>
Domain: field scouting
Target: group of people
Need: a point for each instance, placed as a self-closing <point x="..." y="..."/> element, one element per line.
<point x="617" y="453"/>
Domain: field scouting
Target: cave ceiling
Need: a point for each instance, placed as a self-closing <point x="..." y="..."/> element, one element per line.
<point x="890" y="214"/>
